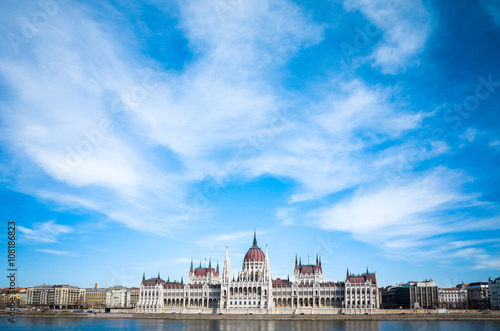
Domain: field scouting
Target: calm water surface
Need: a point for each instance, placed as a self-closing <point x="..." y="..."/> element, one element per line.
<point x="199" y="325"/>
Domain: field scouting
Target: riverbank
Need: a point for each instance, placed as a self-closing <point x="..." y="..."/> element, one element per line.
<point x="488" y="316"/>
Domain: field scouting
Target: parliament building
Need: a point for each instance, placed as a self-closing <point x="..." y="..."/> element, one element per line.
<point x="255" y="291"/>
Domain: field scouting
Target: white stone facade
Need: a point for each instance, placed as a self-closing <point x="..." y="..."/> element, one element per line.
<point x="118" y="297"/>
<point x="255" y="292"/>
<point x="452" y="298"/>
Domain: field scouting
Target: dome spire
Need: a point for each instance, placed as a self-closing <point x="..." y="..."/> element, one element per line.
<point x="254" y="237"/>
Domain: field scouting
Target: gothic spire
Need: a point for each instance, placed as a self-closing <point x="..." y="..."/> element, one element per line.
<point x="226" y="275"/>
<point x="143" y="276"/>
<point x="254" y="237"/>
<point x="267" y="268"/>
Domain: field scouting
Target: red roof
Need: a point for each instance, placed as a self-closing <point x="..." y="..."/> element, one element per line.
<point x="308" y="269"/>
<point x="361" y="278"/>
<point x="281" y="282"/>
<point x="254" y="254"/>
<point x="451" y="289"/>
<point x="203" y="271"/>
<point x="357" y="279"/>
<point x="200" y="272"/>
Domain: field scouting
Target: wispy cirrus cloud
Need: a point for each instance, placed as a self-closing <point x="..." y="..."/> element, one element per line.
<point x="45" y="231"/>
<point x="403" y="215"/>
<point x="166" y="130"/>
<point x="54" y="252"/>
<point x="138" y="169"/>
<point x="405" y="27"/>
<point x="492" y="8"/>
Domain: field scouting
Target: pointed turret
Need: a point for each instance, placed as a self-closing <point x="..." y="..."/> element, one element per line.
<point x="254" y="238"/>
<point x="209" y="264"/>
<point x="191" y="269"/>
<point x="200" y="264"/>
<point x="347" y="274"/>
<point x="182" y="280"/>
<point x="267" y="269"/>
<point x="296" y="264"/>
<point x="168" y="279"/>
<point x="300" y="261"/>
<point x="159" y="275"/>
<point x="143" y="276"/>
<point x="317" y="261"/>
<point x="226" y="277"/>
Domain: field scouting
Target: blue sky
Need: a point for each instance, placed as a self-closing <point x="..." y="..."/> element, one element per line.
<point x="137" y="135"/>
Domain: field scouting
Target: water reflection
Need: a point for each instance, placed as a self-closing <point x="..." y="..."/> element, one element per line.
<point x="244" y="325"/>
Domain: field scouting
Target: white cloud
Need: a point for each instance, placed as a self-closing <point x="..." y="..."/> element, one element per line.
<point x="181" y="260"/>
<point x="331" y="148"/>
<point x="285" y="215"/>
<point x="402" y="215"/>
<point x="75" y="74"/>
<point x="184" y="127"/>
<point x="405" y="26"/>
<point x="45" y="231"/>
<point x="224" y="239"/>
<point x="54" y="252"/>
<point x="492" y="8"/>
<point x="494" y="143"/>
<point x="469" y="135"/>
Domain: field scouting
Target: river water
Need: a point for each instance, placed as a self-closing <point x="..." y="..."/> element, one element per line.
<point x="244" y="325"/>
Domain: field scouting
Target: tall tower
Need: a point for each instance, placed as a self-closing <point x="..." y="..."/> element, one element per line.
<point x="267" y="269"/>
<point x="226" y="276"/>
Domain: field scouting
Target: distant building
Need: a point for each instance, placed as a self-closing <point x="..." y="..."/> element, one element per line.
<point x="494" y="289"/>
<point x="412" y="295"/>
<point x="56" y="296"/>
<point x="388" y="300"/>
<point x="118" y="297"/>
<point x="95" y="297"/>
<point x="112" y="297"/>
<point x="478" y="296"/>
<point x="134" y="297"/>
<point x="453" y="298"/>
<point x="15" y="296"/>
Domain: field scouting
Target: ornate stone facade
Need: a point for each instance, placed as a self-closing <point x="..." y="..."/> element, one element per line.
<point x="255" y="292"/>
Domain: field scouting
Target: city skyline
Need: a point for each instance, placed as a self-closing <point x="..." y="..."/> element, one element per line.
<point x="136" y="136"/>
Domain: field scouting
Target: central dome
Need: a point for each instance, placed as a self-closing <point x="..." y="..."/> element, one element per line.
<point x="254" y="253"/>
